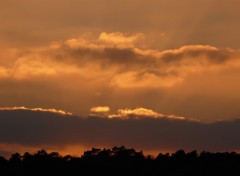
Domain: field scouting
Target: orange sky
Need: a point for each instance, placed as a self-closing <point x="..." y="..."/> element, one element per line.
<point x="106" y="58"/>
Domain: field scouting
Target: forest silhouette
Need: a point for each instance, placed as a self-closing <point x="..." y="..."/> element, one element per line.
<point x="121" y="161"/>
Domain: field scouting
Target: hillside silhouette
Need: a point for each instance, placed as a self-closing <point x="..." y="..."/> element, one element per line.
<point x="122" y="161"/>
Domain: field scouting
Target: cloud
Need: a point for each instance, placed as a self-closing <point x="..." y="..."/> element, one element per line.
<point x="36" y="129"/>
<point x="3" y="72"/>
<point x="100" y="109"/>
<point x="116" y="69"/>
<point x="117" y="58"/>
<point x="52" y="110"/>
<point x="119" y="39"/>
<point x="139" y="113"/>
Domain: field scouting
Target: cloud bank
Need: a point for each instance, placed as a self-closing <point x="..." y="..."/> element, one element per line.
<point x="36" y="129"/>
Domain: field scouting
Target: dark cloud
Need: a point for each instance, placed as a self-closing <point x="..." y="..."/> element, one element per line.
<point x="36" y="128"/>
<point x="132" y="57"/>
<point x="198" y="54"/>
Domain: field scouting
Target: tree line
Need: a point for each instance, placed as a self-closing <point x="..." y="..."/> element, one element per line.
<point x="122" y="161"/>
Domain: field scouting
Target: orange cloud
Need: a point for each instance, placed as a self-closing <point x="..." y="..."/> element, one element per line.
<point x="128" y="66"/>
<point x="118" y="39"/>
<point x="116" y="58"/>
<point x="139" y="113"/>
<point x="100" y="109"/>
<point x="52" y="110"/>
<point x="3" y="72"/>
<point x="114" y="69"/>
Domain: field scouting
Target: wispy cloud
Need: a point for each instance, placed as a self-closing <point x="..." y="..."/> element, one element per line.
<point x="139" y="113"/>
<point x="52" y="110"/>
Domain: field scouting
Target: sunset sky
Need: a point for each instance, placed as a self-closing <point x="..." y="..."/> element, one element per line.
<point x="152" y="74"/>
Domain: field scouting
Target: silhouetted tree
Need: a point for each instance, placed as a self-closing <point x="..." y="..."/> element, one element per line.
<point x="122" y="161"/>
<point x="15" y="158"/>
<point x="3" y="163"/>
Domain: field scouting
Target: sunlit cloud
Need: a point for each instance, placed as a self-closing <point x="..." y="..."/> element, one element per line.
<point x="104" y="41"/>
<point x="137" y="113"/>
<point x="3" y="72"/>
<point x="52" y="110"/>
<point x="100" y="109"/>
<point x="118" y="39"/>
<point x="112" y="67"/>
<point x="128" y="66"/>
<point x="37" y="66"/>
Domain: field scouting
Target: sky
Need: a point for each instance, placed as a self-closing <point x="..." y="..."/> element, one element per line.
<point x="121" y="62"/>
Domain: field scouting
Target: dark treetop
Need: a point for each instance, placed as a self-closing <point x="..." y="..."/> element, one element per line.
<point x="122" y="161"/>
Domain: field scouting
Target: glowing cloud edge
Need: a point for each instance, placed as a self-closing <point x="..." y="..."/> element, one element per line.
<point x="52" y="110"/>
